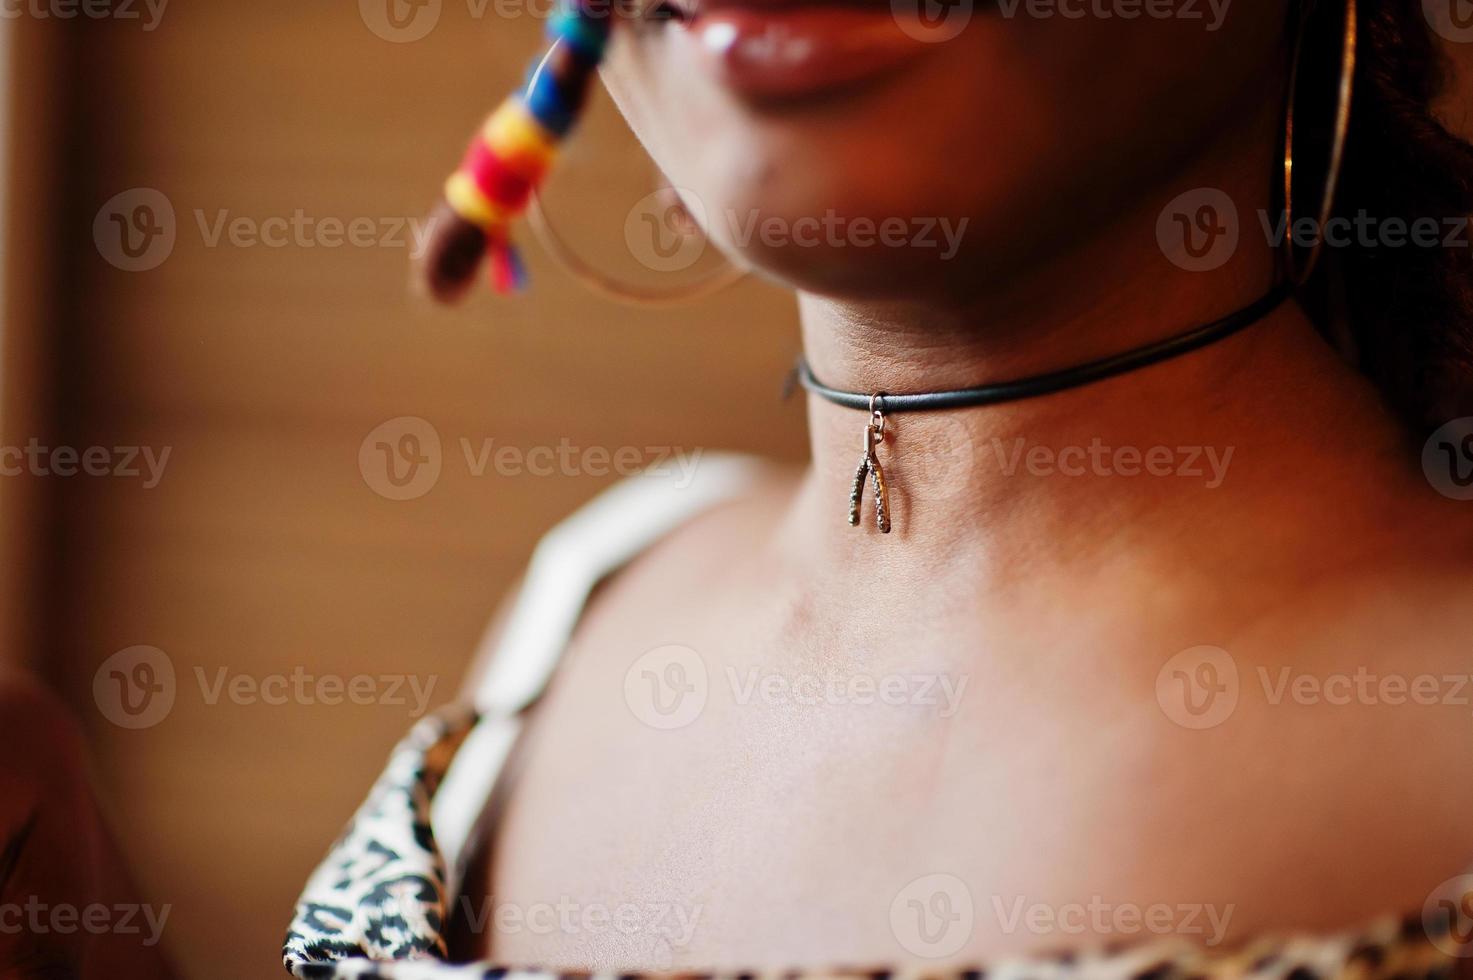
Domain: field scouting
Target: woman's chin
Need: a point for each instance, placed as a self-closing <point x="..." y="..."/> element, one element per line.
<point x="867" y="271"/>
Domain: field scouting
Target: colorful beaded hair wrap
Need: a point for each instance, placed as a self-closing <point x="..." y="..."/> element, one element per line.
<point x="510" y="156"/>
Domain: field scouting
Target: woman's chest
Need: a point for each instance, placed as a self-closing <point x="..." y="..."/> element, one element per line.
<point x="685" y="804"/>
<point x="763" y="793"/>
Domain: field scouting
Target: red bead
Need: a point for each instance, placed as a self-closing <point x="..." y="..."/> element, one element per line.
<point x="499" y="181"/>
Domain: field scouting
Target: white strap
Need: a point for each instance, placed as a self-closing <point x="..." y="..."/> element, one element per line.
<point x="582" y="551"/>
<point x="565" y="568"/>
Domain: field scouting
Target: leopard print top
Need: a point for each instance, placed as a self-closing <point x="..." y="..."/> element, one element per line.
<point x="377" y="906"/>
<point x="375" y="909"/>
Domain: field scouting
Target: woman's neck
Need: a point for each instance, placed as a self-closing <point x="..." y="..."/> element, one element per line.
<point x="1061" y="475"/>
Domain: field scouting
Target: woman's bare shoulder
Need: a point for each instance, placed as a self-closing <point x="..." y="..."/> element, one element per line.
<point x="1348" y="711"/>
<point x="716" y="541"/>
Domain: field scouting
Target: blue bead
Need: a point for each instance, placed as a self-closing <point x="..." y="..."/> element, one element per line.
<point x="586" y="35"/>
<point x="545" y="103"/>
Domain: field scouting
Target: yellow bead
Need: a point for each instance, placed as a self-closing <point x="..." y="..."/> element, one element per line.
<point x="513" y="134"/>
<point x="466" y="199"/>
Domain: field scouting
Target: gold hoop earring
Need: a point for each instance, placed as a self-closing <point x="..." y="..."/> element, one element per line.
<point x="1295" y="272"/>
<point x="634" y="294"/>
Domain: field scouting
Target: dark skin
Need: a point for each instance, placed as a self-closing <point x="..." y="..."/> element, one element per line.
<point x="1060" y="777"/>
<point x="789" y="829"/>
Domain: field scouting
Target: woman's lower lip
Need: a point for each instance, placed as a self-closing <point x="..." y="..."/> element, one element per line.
<point x="790" y="52"/>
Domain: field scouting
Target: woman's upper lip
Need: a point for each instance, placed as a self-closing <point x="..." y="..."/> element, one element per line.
<point x="690" y="9"/>
<point x="782" y="52"/>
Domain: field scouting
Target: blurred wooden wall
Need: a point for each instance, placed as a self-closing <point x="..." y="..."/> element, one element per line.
<point x="264" y="548"/>
<point x="28" y="253"/>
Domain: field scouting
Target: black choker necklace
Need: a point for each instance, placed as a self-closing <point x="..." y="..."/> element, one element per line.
<point x="882" y="404"/>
